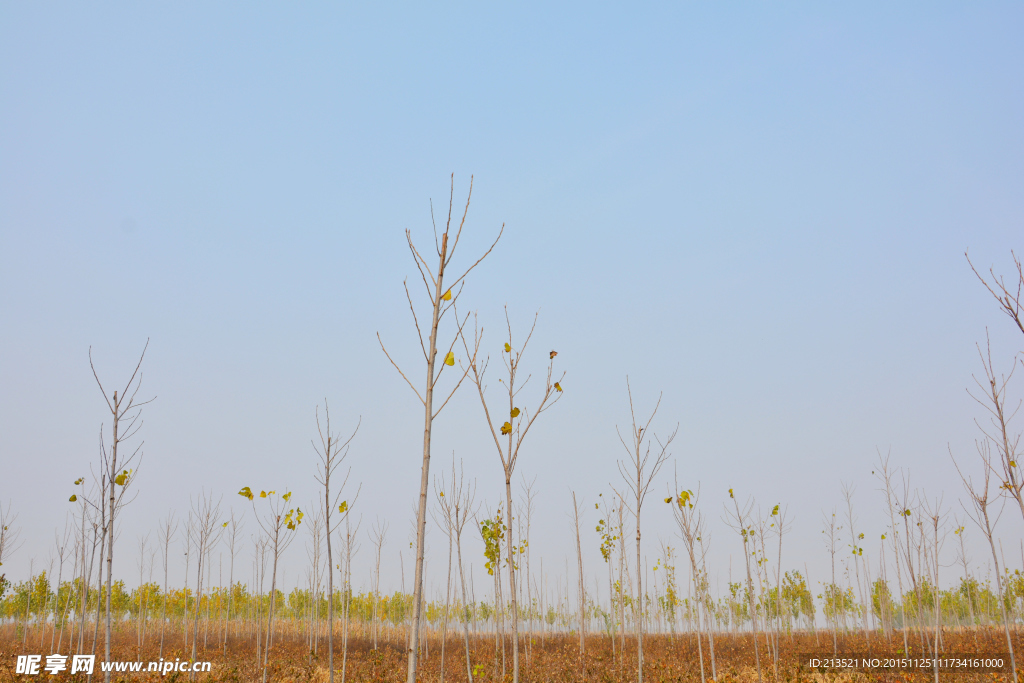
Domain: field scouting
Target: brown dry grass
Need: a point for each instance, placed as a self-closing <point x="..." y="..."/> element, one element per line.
<point x="554" y="659"/>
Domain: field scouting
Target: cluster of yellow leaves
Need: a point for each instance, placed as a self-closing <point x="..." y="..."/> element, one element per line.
<point x="293" y="518"/>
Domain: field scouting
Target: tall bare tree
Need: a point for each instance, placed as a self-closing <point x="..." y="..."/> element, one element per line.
<point x="982" y="516"/>
<point x="643" y="462"/>
<point x="351" y="547"/>
<point x="885" y="473"/>
<point x="442" y="295"/>
<point x="857" y="551"/>
<point x="576" y="508"/>
<point x="205" y="530"/>
<point x="234" y="527"/>
<point x="692" y="530"/>
<point x="998" y="431"/>
<point x="332" y="451"/>
<point x="455" y="501"/>
<point x="278" y="525"/>
<point x="126" y="414"/>
<point x="509" y="433"/>
<point x="739" y="518"/>
<point x="168" y="527"/>
<point x="378" y="534"/>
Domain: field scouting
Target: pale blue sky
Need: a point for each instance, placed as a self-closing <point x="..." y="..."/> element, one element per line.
<point x="760" y="210"/>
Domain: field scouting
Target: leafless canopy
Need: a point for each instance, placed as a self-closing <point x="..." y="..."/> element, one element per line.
<point x="432" y="284"/>
<point x="991" y="395"/>
<point x="635" y="470"/>
<point x="1008" y="296"/>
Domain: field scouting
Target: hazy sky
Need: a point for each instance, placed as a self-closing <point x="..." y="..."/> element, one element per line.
<point x="760" y="211"/>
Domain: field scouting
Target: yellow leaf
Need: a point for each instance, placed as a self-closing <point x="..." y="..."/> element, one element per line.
<point x="79" y="480"/>
<point x="508" y="348"/>
<point x="286" y="496"/>
<point x="246" y="492"/>
<point x="558" y="387"/>
<point x="515" y="412"/>
<point x="224" y="524"/>
<point x="263" y="494"/>
<point x="449" y="359"/>
<point x="447" y="295"/>
<point x="669" y="499"/>
<point x="73" y="498"/>
<point x="506" y="428"/>
<point x="441" y="494"/>
<point x="343" y="506"/>
<point x="1013" y="463"/>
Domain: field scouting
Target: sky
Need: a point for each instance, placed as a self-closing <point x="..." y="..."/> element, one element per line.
<point x="757" y="213"/>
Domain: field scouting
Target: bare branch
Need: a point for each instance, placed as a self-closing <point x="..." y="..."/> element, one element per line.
<point x="399" y="369"/>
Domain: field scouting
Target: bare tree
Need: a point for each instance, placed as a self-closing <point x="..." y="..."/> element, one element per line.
<point x="739" y="519"/>
<point x="998" y="431"/>
<point x="168" y="527"/>
<point x="638" y="471"/>
<point x="332" y="451"/>
<point x="278" y="527"/>
<point x="378" y="534"/>
<point x="1008" y="296"/>
<point x="692" y="530"/>
<point x="526" y="509"/>
<point x="934" y="513"/>
<point x="62" y="541"/>
<point x="963" y="559"/>
<point x="981" y="516"/>
<point x="857" y="551"/>
<point x="125" y="413"/>
<point x="576" y="507"/>
<point x="143" y="541"/>
<point x="509" y="436"/>
<point x="831" y="532"/>
<point x="886" y="475"/>
<point x="442" y="517"/>
<point x="314" y="574"/>
<point x="780" y="524"/>
<point x="234" y="527"/>
<point x="205" y="530"/>
<point x="351" y="548"/>
<point x="83" y="592"/>
<point x="456" y="503"/>
<point x="442" y="299"/>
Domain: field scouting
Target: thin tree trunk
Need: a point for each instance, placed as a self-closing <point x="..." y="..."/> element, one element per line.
<point x="421" y="512"/>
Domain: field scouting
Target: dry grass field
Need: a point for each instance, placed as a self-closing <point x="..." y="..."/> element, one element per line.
<point x="554" y="659"/>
